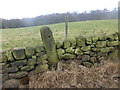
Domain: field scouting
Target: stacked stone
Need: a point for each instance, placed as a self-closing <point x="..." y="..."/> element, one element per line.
<point x="18" y="63"/>
<point x="89" y="49"/>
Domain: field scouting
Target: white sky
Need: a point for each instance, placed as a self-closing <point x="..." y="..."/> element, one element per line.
<point x="30" y="8"/>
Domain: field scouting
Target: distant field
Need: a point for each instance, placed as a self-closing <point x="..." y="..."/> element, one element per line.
<point x="30" y="36"/>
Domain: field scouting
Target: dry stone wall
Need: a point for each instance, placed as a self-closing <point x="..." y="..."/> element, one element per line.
<point x="18" y="63"/>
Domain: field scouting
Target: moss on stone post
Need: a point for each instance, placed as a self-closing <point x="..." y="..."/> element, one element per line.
<point x="50" y="46"/>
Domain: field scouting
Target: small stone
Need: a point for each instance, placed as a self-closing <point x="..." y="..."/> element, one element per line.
<point x="79" y="57"/>
<point x="92" y="46"/>
<point x="34" y="57"/>
<point x="41" y="68"/>
<point x="60" y="52"/>
<point x="94" y="39"/>
<point x="115" y="35"/>
<point x="108" y="43"/>
<point x="94" y="43"/>
<point x="73" y="43"/>
<point x="12" y="83"/>
<point x="85" y="58"/>
<point x="5" y="66"/>
<point x="95" y="49"/>
<point x="29" y="51"/>
<point x="42" y="59"/>
<point x="18" y="75"/>
<point x="89" y="40"/>
<point x="68" y="56"/>
<point x="78" y="51"/>
<point x="107" y="49"/>
<point x="9" y="55"/>
<point x="27" y="68"/>
<point x="11" y="69"/>
<point x="31" y="62"/>
<point x="58" y="45"/>
<point x="80" y="41"/>
<point x="39" y="49"/>
<point x="102" y="38"/>
<point x="19" y="63"/>
<point x="4" y="58"/>
<point x="93" y="54"/>
<point x="102" y="54"/>
<point x="66" y="44"/>
<point x="100" y="44"/>
<point x="4" y="77"/>
<point x="93" y="59"/>
<point x="70" y="50"/>
<point x="87" y="64"/>
<point x="40" y="54"/>
<point x="111" y="38"/>
<point x="87" y="52"/>
<point x="86" y="48"/>
<point x="19" y="54"/>
<point x="113" y="43"/>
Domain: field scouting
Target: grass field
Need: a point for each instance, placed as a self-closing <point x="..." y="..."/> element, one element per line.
<point x="30" y="36"/>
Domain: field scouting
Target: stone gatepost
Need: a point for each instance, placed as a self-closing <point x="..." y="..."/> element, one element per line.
<point x="50" y="47"/>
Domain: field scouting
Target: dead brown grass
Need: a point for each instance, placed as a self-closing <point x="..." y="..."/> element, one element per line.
<point x="74" y="75"/>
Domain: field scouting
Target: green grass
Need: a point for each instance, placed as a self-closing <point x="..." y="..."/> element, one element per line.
<point x="30" y="36"/>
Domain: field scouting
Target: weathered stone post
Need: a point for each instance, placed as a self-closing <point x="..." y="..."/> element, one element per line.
<point x="49" y="45"/>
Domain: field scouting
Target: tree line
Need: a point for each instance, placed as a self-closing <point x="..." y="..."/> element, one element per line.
<point x="60" y="18"/>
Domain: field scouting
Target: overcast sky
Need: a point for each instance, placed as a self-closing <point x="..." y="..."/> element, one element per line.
<point x="30" y="8"/>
